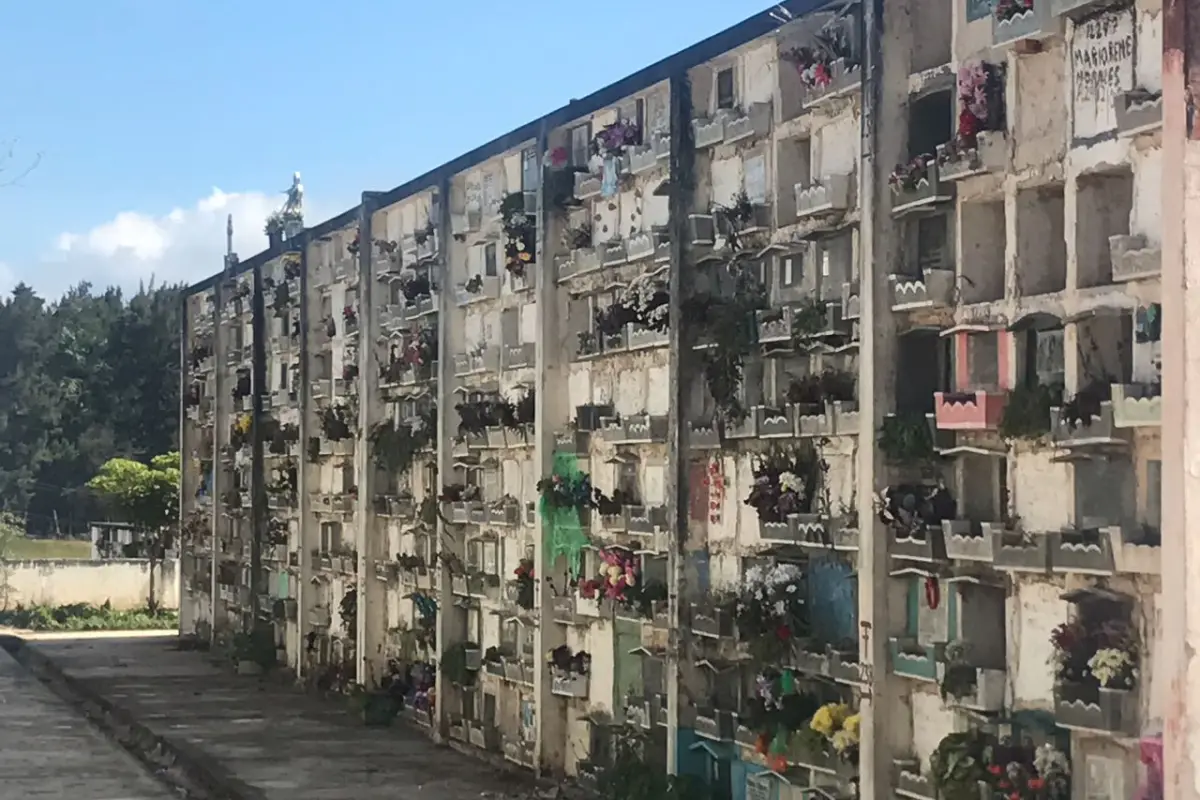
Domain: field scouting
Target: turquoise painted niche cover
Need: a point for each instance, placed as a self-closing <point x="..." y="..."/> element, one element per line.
<point x="978" y="9"/>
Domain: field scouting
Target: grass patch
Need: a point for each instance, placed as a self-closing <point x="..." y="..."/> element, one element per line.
<point x="86" y="617"/>
<point x="22" y="548"/>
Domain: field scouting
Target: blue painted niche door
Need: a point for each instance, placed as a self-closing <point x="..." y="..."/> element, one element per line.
<point x="833" y="600"/>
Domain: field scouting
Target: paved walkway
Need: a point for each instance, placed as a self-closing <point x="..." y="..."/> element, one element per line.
<point x="271" y="741"/>
<point x="48" y="750"/>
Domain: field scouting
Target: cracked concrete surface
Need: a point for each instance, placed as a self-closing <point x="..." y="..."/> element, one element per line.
<point x="272" y="740"/>
<point x="48" y="750"/>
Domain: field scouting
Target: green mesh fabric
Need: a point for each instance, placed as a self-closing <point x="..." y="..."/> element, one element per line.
<point x="563" y="534"/>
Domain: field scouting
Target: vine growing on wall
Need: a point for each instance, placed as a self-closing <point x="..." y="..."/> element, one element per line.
<point x="395" y="445"/>
<point x="336" y="423"/>
<point x="476" y="416"/>
<point x="1027" y="411"/>
<point x="906" y="438"/>
<point x="726" y="321"/>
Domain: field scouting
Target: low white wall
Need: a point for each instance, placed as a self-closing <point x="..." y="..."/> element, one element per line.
<point x="124" y="583"/>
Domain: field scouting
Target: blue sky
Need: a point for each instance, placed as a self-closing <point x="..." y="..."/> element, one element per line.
<point x="155" y="118"/>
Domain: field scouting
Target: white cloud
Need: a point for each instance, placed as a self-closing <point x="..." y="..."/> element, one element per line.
<point x="182" y="246"/>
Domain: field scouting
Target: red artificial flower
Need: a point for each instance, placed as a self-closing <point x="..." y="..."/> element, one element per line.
<point x="821" y="76"/>
<point x="995" y="769"/>
<point x="1003" y="784"/>
<point x="783" y="632"/>
<point x="1037" y="784"/>
<point x="1015" y="796"/>
<point x="968" y="127"/>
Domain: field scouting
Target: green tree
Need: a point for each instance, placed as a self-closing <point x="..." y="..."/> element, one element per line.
<point x="29" y="395"/>
<point x="87" y="378"/>
<point x="146" y="497"/>
<point x="12" y="528"/>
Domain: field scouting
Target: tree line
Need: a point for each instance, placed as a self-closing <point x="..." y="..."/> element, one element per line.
<point x="84" y="379"/>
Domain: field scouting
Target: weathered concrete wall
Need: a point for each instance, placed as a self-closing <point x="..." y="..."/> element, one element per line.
<point x="124" y="583"/>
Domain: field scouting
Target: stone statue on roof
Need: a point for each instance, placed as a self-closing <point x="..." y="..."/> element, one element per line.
<point x="289" y="220"/>
<point x="295" y="198"/>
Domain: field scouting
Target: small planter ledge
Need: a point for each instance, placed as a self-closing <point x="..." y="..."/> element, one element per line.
<point x="912" y="784"/>
<point x="830" y="195"/>
<point x="1069" y="552"/>
<point x="1098" y="430"/>
<point x="969" y="411"/>
<point x="1109" y="711"/>
<point x="755" y="122"/>
<point x="928" y="191"/>
<point x="1036" y="23"/>
<point x="934" y="288"/>
<point x="914" y="661"/>
<point x="1012" y="552"/>
<point x="1133" y="257"/>
<point x="1108" y="553"/>
<point x="988" y="155"/>
<point x="1138" y="112"/>
<point x="1135" y="406"/>
<point x="988" y="695"/>
<point x="844" y="79"/>
<point x="966" y="541"/>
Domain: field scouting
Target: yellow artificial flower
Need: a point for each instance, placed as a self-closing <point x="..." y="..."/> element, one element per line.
<point x="850" y="725"/>
<point x="829" y="718"/>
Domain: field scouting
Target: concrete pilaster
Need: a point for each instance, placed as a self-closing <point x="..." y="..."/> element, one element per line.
<point x="1178" y="653"/>
<point x="551" y="412"/>
<point x="445" y="461"/>
<point x="186" y="486"/>
<point x="371" y="616"/>
<point x="221" y="408"/>
<point x="681" y="185"/>
<point x="305" y="536"/>
<point x="258" y="489"/>
<point x="887" y="43"/>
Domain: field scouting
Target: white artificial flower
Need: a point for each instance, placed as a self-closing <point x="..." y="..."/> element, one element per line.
<point x="1108" y="664"/>
<point x="1049" y="760"/>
